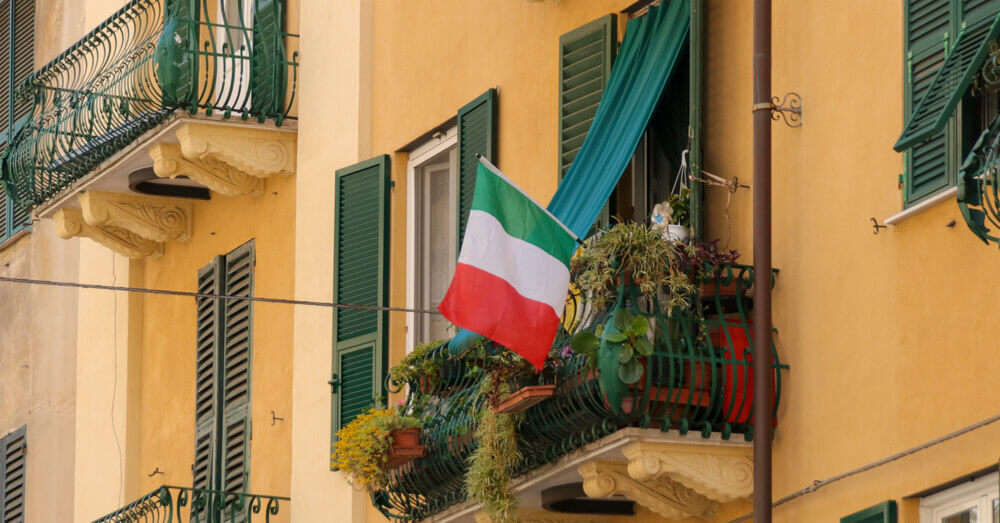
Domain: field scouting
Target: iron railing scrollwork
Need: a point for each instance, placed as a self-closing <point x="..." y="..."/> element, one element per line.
<point x="180" y="504"/>
<point x="695" y="382"/>
<point x="230" y="58"/>
<point x="978" y="195"/>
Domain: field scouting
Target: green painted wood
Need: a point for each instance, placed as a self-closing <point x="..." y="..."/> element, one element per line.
<point x="696" y="46"/>
<point x="13" y="449"/>
<point x="477" y="134"/>
<point x="361" y="264"/>
<point x="884" y="512"/>
<point x="236" y="366"/>
<point x="936" y="106"/>
<point x="927" y="163"/>
<point x="223" y="372"/>
<point x="267" y="68"/>
<point x="585" y="58"/>
<point x="208" y="338"/>
<point x="974" y="11"/>
<point x="20" y="63"/>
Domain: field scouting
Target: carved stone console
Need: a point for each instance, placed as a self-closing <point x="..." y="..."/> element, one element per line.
<point x="662" y="495"/>
<point x="70" y="223"/>
<point x="723" y="473"/>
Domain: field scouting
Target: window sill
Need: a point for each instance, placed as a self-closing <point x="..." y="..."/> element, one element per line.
<point x="7" y="242"/>
<point x="945" y="195"/>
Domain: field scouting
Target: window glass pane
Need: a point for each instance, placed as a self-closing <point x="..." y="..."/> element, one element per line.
<point x="965" y="516"/>
<point x="996" y="511"/>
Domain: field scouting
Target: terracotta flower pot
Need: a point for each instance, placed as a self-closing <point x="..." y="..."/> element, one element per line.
<point x="404" y="446"/>
<point x="525" y="397"/>
<point x="732" y="289"/>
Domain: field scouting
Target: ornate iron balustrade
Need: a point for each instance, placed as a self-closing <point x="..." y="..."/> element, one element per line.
<point x="696" y="381"/>
<point x="978" y="196"/>
<point x="128" y="75"/>
<point x="170" y="503"/>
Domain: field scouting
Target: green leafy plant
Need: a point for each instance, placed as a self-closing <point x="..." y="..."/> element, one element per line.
<point x="362" y="447"/>
<point x="628" y="338"/>
<point x="419" y="364"/>
<point x="490" y="466"/>
<point x="680" y="207"/>
<point x="638" y="255"/>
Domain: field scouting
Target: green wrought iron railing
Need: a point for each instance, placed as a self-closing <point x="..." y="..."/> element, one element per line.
<point x="697" y="381"/>
<point x="152" y="57"/>
<point x="180" y="504"/>
<point x="978" y="190"/>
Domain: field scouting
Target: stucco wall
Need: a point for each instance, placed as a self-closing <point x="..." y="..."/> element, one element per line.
<point x="334" y="123"/>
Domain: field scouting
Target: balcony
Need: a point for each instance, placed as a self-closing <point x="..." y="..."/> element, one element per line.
<point x="170" y="503"/>
<point x="135" y="97"/>
<point x="684" y="427"/>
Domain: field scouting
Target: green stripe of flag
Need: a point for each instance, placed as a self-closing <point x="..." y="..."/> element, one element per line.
<point x="520" y="216"/>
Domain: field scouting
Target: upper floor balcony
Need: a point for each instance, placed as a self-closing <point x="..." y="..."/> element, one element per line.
<point x="169" y="98"/>
<point x="674" y="443"/>
<point x="170" y="503"/>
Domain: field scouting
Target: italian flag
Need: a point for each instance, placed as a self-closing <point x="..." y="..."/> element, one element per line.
<point x="512" y="275"/>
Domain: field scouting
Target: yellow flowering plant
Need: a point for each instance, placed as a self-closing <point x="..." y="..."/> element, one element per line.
<point x="362" y="447"/>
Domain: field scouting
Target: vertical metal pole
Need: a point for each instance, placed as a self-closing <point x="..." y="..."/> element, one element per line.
<point x="762" y="402"/>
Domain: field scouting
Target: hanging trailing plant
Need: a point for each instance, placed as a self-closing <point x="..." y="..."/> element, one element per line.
<point x="488" y="479"/>
<point x="419" y="365"/>
<point x="638" y="253"/>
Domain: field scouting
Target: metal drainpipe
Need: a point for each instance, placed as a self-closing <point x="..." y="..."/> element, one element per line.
<point x="762" y="403"/>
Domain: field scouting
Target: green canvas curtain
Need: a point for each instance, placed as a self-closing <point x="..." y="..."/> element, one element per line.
<point x="645" y="62"/>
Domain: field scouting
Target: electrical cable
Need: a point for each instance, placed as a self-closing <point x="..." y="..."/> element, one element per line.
<point x="331" y="305"/>
<point x="899" y="455"/>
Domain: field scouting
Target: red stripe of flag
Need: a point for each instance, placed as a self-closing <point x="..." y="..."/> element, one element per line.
<point x="491" y="307"/>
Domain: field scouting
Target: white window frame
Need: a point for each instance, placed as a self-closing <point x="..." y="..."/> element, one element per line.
<point x="419" y="157"/>
<point x="977" y="493"/>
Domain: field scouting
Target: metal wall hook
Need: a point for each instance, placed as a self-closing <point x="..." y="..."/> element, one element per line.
<point x="876" y="226"/>
<point x="275" y="418"/>
<point x="158" y="471"/>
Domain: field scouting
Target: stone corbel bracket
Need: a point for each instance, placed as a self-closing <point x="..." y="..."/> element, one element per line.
<point x="532" y="515"/>
<point x="170" y="162"/>
<point x="154" y="218"/>
<point x="70" y="223"/>
<point x="257" y="152"/>
<point x="605" y="478"/>
<point x="720" y="473"/>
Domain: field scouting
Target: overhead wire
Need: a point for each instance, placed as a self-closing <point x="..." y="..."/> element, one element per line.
<point x="284" y="301"/>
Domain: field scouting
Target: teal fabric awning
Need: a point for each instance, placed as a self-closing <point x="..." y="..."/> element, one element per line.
<point x="649" y="52"/>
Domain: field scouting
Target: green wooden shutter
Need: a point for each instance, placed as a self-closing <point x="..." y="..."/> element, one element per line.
<point x="884" y="512"/>
<point x="937" y="104"/>
<point x="360" y="276"/>
<point x="13" y="450"/>
<point x="477" y="134"/>
<point x="208" y="338"/>
<point x="974" y="11"/>
<point x="24" y="50"/>
<point x="236" y="365"/>
<point x="585" y="58"/>
<point x="267" y="70"/>
<point x="696" y="36"/>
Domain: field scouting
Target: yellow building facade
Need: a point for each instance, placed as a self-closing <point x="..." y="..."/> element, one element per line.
<point x="237" y="148"/>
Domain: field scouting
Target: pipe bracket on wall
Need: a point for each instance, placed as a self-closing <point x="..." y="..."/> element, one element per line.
<point x="788" y="109"/>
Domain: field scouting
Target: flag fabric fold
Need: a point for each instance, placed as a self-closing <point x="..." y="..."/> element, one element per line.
<point x="512" y="275"/>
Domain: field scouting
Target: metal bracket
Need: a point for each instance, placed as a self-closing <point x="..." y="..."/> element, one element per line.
<point x="788" y="109"/>
<point x="876" y="226"/>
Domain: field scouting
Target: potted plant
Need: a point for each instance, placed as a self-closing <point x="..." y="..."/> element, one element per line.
<point x="491" y="465"/>
<point x="679" y="228"/>
<point x="375" y="442"/>
<point x="635" y="254"/>
<point x="706" y="262"/>
<point x="424" y="369"/>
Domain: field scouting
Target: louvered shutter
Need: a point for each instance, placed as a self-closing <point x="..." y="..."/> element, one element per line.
<point x="24" y="50"/>
<point x="5" y="203"/>
<point x="208" y="340"/>
<point x="477" y="134"/>
<point x="236" y="370"/>
<point x="361" y="264"/>
<point x="935" y="106"/>
<point x="20" y="216"/>
<point x="884" y="512"/>
<point x="696" y="36"/>
<point x="13" y="450"/>
<point x="974" y="11"/>
<point x="267" y="70"/>
<point x="585" y="57"/>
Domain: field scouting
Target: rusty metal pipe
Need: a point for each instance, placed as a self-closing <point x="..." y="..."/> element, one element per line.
<point x="762" y="399"/>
